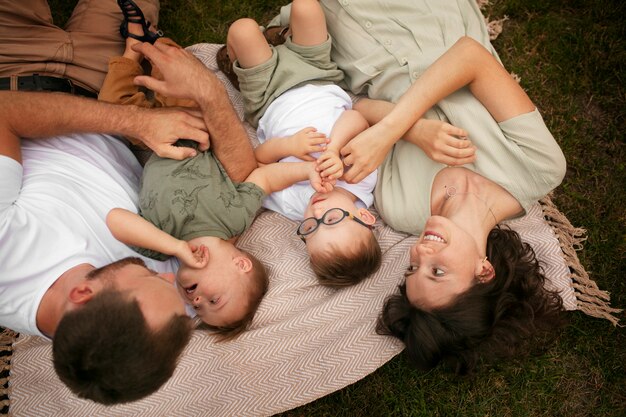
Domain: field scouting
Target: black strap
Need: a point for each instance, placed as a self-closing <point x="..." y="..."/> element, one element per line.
<point x="38" y="82"/>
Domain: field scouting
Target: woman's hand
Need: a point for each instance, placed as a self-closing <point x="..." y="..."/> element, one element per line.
<point x="365" y="152"/>
<point x="306" y="141"/>
<point x="442" y="142"/>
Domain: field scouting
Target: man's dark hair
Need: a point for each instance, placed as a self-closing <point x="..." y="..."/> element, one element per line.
<point x="106" y="352"/>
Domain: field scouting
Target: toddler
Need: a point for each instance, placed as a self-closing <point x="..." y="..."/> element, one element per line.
<point x="286" y="88"/>
<point x="191" y="209"/>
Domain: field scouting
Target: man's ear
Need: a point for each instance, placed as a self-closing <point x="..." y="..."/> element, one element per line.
<point x="243" y="263"/>
<point x="82" y="293"/>
<point x="367" y="216"/>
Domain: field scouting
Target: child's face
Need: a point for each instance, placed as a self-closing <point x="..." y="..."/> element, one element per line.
<point x="344" y="233"/>
<point x="219" y="291"/>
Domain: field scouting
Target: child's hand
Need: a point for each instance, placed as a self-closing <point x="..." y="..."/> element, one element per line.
<point x="306" y="141"/>
<point x="330" y="165"/>
<point x="318" y="183"/>
<point x="191" y="255"/>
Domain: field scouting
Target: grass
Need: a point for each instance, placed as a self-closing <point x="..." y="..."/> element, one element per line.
<point x="571" y="57"/>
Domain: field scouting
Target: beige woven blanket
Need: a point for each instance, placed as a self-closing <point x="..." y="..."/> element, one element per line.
<point x="306" y="340"/>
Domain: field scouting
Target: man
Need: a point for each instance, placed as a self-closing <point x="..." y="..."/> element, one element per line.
<point x="117" y="330"/>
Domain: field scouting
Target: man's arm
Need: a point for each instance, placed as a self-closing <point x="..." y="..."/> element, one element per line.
<point x="40" y="115"/>
<point x="184" y="76"/>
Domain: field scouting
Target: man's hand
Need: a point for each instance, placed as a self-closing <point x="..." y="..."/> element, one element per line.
<point x="306" y="141"/>
<point x="161" y="128"/>
<point x="330" y="165"/>
<point x="184" y="76"/>
<point x="442" y="142"/>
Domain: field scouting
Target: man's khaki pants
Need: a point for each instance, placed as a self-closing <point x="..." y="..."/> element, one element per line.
<point x="30" y="43"/>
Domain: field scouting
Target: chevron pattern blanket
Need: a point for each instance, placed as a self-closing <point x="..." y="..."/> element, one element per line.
<point x="306" y="340"/>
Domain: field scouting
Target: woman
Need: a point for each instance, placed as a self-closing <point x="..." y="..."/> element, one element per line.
<point x="471" y="289"/>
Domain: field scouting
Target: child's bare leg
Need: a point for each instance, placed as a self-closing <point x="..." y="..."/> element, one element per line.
<point x="307" y="23"/>
<point x="246" y="43"/>
<point x="135" y="29"/>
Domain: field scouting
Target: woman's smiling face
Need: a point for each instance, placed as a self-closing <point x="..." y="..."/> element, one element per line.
<point x="444" y="263"/>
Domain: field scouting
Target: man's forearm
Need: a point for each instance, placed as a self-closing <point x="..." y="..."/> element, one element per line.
<point x="39" y="115"/>
<point x="229" y="139"/>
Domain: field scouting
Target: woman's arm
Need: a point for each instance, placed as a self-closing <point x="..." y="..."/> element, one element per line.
<point x="467" y="63"/>
<point x="134" y="230"/>
<point x="439" y="140"/>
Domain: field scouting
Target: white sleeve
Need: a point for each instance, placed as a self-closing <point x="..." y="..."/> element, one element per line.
<point x="10" y="182"/>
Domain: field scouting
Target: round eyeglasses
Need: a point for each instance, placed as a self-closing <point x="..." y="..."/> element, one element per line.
<point x="332" y="216"/>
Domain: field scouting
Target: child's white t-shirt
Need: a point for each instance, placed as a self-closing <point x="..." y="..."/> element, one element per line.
<point x="53" y="210"/>
<point x="317" y="106"/>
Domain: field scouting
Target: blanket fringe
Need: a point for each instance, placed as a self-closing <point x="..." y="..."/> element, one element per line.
<point x="494" y="27"/>
<point x="7" y="337"/>
<point x="590" y="299"/>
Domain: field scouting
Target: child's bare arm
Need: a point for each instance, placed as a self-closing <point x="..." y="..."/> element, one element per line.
<point x="349" y="124"/>
<point x="134" y="230"/>
<point x="280" y="175"/>
<point x="300" y="145"/>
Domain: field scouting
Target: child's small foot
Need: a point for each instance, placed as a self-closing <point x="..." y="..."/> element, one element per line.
<point x="225" y="65"/>
<point x="135" y="25"/>
<point x="276" y="35"/>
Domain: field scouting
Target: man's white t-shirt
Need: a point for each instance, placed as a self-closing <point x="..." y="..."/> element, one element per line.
<point x="317" y="106"/>
<point x="53" y="210"/>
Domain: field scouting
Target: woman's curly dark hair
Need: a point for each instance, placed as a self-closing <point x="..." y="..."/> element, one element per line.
<point x="497" y="319"/>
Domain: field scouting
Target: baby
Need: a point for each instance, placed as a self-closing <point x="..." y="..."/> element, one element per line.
<point x="286" y="88"/>
<point x="191" y="209"/>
